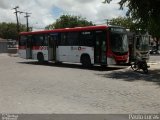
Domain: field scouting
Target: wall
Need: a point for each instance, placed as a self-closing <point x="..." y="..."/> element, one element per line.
<point x="3" y="47"/>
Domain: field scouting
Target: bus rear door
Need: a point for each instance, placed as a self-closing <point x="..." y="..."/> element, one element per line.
<point x="29" y="48"/>
<point x="52" y="46"/>
<point x="100" y="48"/>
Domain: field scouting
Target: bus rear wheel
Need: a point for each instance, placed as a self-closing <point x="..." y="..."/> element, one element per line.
<point x="86" y="61"/>
<point x="40" y="58"/>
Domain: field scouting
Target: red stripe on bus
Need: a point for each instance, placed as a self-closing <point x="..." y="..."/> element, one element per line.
<point x="21" y="47"/>
<point x="117" y="57"/>
<point x="66" y="30"/>
<point x="36" y="48"/>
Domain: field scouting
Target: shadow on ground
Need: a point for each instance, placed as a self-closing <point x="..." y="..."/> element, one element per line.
<point x="131" y="76"/>
<point x="74" y="66"/>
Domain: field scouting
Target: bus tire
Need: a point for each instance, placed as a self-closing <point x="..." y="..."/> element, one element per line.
<point x="40" y="57"/>
<point x="58" y="62"/>
<point x="86" y="61"/>
<point x="103" y="66"/>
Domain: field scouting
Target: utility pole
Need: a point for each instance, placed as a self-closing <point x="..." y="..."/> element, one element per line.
<point x="27" y="15"/>
<point x="16" y="12"/>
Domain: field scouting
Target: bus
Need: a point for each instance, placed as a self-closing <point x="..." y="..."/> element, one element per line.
<point x="139" y="43"/>
<point x="101" y="45"/>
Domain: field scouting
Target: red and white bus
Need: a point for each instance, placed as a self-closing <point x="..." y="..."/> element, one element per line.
<point x="103" y="45"/>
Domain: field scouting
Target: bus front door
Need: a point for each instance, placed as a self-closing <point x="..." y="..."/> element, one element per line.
<point x="52" y="47"/>
<point x="29" y="48"/>
<point x="100" y="48"/>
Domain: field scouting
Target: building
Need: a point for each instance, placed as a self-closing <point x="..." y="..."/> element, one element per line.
<point x="3" y="46"/>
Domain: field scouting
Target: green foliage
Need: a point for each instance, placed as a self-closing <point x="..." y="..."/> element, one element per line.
<point x="145" y="13"/>
<point x="125" y="22"/>
<point x="129" y="23"/>
<point x="69" y="21"/>
<point x="9" y="30"/>
<point x="154" y="28"/>
<point x="49" y="27"/>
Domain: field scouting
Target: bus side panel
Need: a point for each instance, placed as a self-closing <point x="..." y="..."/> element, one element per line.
<point x="73" y="53"/>
<point x="22" y="53"/>
<point x="62" y="53"/>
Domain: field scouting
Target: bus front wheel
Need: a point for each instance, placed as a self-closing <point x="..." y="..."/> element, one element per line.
<point x="40" y="57"/>
<point x="86" y="61"/>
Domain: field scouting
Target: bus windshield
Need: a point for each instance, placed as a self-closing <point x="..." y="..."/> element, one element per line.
<point x="142" y="43"/>
<point x="119" y="42"/>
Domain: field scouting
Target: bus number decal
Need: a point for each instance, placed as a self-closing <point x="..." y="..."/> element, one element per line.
<point x="73" y="48"/>
<point x="77" y="48"/>
<point x="81" y="48"/>
<point x="39" y="48"/>
<point x="42" y="47"/>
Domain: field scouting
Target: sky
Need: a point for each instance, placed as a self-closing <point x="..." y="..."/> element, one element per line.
<point x="45" y="12"/>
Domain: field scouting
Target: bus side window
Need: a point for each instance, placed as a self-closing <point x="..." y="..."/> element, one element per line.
<point x="51" y="41"/>
<point x="29" y="41"/>
<point x="63" y="39"/>
<point x="46" y="37"/>
<point x="23" y="41"/>
<point x="39" y="40"/>
<point x="72" y="38"/>
<point x="87" y="38"/>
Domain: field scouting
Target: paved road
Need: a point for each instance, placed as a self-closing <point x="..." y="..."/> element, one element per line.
<point x="155" y="58"/>
<point x="27" y="87"/>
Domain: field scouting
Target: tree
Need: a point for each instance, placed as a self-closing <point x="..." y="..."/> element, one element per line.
<point x="125" y="22"/>
<point x="69" y="21"/>
<point x="9" y="30"/>
<point x="145" y="13"/>
<point x="128" y="23"/>
<point x="142" y="11"/>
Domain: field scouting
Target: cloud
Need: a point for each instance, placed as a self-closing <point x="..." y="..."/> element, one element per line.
<point x="3" y="5"/>
<point x="45" y="12"/>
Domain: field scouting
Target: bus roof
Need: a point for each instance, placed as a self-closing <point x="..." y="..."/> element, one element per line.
<point x="66" y="30"/>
